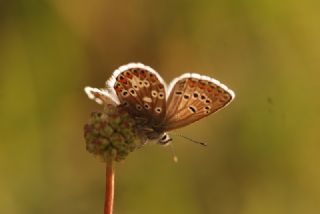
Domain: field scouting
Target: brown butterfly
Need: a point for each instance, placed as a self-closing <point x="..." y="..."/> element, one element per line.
<point x="157" y="109"/>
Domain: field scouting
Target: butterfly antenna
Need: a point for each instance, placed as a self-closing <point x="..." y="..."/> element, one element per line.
<point x="192" y="140"/>
<point x="175" y="157"/>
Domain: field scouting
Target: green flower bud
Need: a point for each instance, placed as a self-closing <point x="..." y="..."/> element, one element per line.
<point x="111" y="134"/>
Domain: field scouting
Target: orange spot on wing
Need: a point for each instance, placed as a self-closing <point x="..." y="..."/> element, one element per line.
<point x="143" y="75"/>
<point x="209" y="89"/>
<point x="134" y="72"/>
<point x="122" y="79"/>
<point x="192" y="83"/>
<point x="220" y="90"/>
<point x="118" y="88"/>
<point x="129" y="75"/>
<point x="201" y="85"/>
<point x="153" y="78"/>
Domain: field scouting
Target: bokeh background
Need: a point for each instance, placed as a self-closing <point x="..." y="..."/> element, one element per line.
<point x="263" y="154"/>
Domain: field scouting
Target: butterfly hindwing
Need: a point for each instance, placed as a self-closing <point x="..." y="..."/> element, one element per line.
<point x="192" y="97"/>
<point x="101" y="96"/>
<point x="141" y="91"/>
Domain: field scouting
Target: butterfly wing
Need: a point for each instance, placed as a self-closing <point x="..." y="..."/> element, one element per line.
<point x="192" y="97"/>
<point x="101" y="96"/>
<point x="141" y="91"/>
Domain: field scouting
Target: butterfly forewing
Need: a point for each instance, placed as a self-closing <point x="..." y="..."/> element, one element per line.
<point x="141" y="92"/>
<point x="192" y="97"/>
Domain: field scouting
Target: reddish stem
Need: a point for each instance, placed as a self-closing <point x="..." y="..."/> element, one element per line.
<point x="108" y="204"/>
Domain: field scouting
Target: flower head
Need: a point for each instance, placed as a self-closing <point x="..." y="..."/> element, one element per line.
<point x="111" y="134"/>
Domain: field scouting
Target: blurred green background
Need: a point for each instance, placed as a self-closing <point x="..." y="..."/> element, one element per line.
<point x="263" y="154"/>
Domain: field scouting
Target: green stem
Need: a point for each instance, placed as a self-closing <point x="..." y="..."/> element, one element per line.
<point x="108" y="204"/>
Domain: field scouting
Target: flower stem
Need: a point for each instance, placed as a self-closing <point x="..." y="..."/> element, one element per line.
<point x="108" y="204"/>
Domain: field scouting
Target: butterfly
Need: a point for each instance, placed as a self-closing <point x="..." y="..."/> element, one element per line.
<point x="156" y="107"/>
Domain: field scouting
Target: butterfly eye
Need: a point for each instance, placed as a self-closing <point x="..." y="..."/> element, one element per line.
<point x="165" y="139"/>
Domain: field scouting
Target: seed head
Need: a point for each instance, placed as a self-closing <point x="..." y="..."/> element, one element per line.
<point x="111" y="134"/>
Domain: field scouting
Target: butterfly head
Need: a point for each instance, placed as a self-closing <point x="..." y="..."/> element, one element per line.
<point x="164" y="139"/>
<point x="152" y="134"/>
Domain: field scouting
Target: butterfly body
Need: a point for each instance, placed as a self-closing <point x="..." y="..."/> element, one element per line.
<point x="140" y="90"/>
